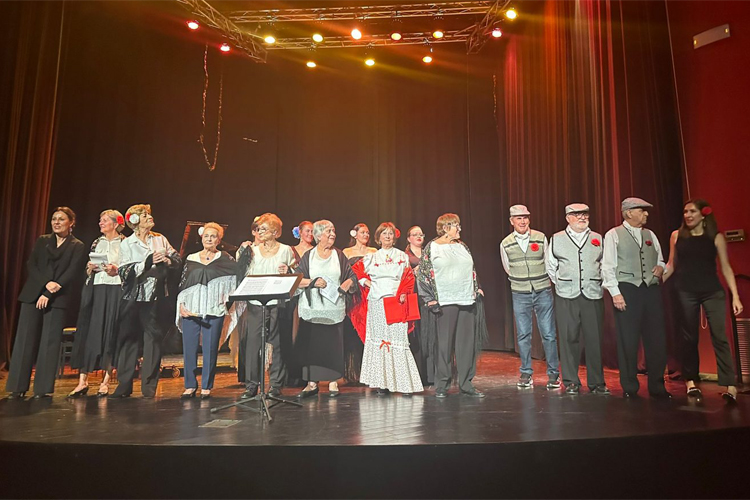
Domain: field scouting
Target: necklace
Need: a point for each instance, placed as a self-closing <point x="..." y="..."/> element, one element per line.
<point x="389" y="257"/>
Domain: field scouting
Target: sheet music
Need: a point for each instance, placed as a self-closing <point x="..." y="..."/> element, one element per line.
<point x="98" y="259"/>
<point x="265" y="285"/>
<point x="331" y="291"/>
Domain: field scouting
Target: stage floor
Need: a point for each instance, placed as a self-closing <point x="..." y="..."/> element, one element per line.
<point x="509" y="419"/>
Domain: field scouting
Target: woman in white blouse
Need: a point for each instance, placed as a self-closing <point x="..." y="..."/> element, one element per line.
<point x="447" y="282"/>
<point x="95" y="341"/>
<point x="327" y="277"/>
<point x="387" y="363"/>
<point x="267" y="257"/>
<point x="209" y="276"/>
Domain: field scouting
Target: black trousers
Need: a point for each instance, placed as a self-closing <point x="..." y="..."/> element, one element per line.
<point x="37" y="343"/>
<point x="139" y="325"/>
<point x="455" y="326"/>
<point x="250" y="346"/>
<point x="576" y="318"/>
<point x="715" y="305"/>
<point x="643" y="318"/>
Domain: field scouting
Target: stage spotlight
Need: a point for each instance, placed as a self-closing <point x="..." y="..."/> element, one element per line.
<point x="225" y="47"/>
<point x="193" y="25"/>
<point x="311" y="64"/>
<point x="370" y="61"/>
<point x="356" y="34"/>
<point x="269" y="39"/>
<point x="511" y="13"/>
<point x="395" y="36"/>
<point x="427" y="59"/>
<point x="497" y="33"/>
<point x="438" y="34"/>
<point x="317" y="38"/>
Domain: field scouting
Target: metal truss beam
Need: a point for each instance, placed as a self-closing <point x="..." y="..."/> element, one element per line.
<point x="246" y="42"/>
<point x="360" y="12"/>
<point x="337" y="42"/>
<point x="480" y="34"/>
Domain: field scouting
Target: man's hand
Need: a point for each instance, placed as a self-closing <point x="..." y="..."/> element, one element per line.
<point x="619" y="302"/>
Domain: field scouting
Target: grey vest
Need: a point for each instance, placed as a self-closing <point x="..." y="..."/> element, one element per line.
<point x="579" y="269"/>
<point x="634" y="263"/>
<point x="527" y="270"/>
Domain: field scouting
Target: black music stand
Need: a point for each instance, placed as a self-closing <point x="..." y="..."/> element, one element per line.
<point x="253" y="288"/>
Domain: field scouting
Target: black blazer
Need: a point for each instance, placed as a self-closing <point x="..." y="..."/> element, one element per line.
<point x="68" y="270"/>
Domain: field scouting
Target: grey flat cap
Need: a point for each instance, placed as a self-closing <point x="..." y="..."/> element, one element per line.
<point x="517" y="210"/>
<point x="631" y="203"/>
<point x="575" y="208"/>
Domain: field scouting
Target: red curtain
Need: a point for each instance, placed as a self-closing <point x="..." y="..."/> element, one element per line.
<point x="587" y="114"/>
<point x="29" y="69"/>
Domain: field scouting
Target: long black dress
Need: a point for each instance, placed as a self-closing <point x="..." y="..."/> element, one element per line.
<point x="422" y="338"/>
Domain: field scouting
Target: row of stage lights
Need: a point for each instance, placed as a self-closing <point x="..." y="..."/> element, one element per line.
<point x="357" y="34"/>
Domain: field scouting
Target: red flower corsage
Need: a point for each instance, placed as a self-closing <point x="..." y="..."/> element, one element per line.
<point x="649" y="242"/>
<point x="534" y="247"/>
<point x="596" y="242"/>
<point x="706" y="211"/>
<point x="398" y="233"/>
<point x="120" y="220"/>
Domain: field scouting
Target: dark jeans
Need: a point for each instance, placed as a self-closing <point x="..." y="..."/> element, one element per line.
<point x="715" y="304"/>
<point x="192" y="328"/>
<point x="540" y="304"/>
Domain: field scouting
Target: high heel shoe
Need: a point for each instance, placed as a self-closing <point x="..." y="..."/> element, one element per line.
<point x="188" y="395"/>
<point x="17" y="395"/>
<point x="103" y="391"/>
<point x="77" y="394"/>
<point x="206" y="395"/>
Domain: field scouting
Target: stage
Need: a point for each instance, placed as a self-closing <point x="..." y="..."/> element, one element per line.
<point x="514" y="443"/>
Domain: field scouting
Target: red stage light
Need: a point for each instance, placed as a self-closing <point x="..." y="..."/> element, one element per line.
<point x="193" y="25"/>
<point x="225" y="47"/>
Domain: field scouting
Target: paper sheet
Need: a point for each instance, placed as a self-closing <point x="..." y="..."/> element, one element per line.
<point x="265" y="285"/>
<point x="99" y="259"/>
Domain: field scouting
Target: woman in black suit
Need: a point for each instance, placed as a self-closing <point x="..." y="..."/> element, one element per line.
<point x="56" y="271"/>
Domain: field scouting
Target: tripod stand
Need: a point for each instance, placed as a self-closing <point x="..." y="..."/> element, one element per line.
<point x="262" y="398"/>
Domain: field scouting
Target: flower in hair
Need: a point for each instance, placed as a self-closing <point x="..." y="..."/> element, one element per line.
<point x="596" y="242"/>
<point x="120" y="220"/>
<point x="134" y="218"/>
<point x="295" y="232"/>
<point x="534" y="247"/>
<point x="398" y="233"/>
<point x="706" y="211"/>
<point x="201" y="230"/>
<point x="353" y="233"/>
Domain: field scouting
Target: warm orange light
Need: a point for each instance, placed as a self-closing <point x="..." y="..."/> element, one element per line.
<point x="497" y="33"/>
<point x="317" y="38"/>
<point x="225" y="47"/>
<point x="356" y="34"/>
<point x="438" y="34"/>
<point x="269" y="39"/>
<point x="427" y="59"/>
<point x="370" y="61"/>
<point x="396" y="36"/>
<point x="193" y="25"/>
<point x="511" y="14"/>
<point x="311" y="64"/>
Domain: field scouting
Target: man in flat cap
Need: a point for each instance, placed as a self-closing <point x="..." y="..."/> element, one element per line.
<point x="523" y="253"/>
<point x="631" y="268"/>
<point x="574" y="266"/>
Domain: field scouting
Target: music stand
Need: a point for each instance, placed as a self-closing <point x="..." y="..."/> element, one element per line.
<point x="264" y="288"/>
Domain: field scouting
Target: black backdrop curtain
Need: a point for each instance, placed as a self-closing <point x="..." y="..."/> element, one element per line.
<point x="29" y="54"/>
<point x="567" y="108"/>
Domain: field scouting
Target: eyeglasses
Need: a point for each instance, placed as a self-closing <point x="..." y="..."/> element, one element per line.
<point x="457" y="226"/>
<point x="580" y="215"/>
<point x="262" y="229"/>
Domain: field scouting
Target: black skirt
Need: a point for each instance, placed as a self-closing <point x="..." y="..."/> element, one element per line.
<point x="321" y="350"/>
<point x="95" y="342"/>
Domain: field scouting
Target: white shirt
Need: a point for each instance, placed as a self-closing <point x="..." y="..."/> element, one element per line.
<point x="454" y="274"/>
<point x="523" y="242"/>
<point x="112" y="249"/>
<point x="322" y="310"/>
<point x="206" y="300"/>
<point x="551" y="263"/>
<point x="609" y="260"/>
<point x="133" y="250"/>
<point x="270" y="265"/>
<point x="386" y="268"/>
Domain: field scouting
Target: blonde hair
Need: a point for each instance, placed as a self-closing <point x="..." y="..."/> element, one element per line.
<point x="272" y="221"/>
<point x="216" y="227"/>
<point x="114" y="215"/>
<point x="139" y="210"/>
<point x="446" y="220"/>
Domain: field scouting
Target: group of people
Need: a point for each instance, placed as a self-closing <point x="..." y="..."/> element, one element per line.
<point x="629" y="264"/>
<point x="418" y="313"/>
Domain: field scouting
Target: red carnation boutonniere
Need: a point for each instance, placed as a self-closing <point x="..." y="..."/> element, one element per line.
<point x="706" y="211"/>
<point x="432" y="273"/>
<point x="596" y="242"/>
<point x="649" y="242"/>
<point x="534" y="247"/>
<point x="120" y="220"/>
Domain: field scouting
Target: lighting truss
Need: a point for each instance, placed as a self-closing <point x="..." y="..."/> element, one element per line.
<point x="248" y="43"/>
<point x="480" y="34"/>
<point x="383" y="39"/>
<point x="360" y="12"/>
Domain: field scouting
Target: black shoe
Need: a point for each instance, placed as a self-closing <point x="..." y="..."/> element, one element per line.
<point x="661" y="395"/>
<point x="206" y="395"/>
<point x="474" y="393"/>
<point x="730" y="398"/>
<point x="16" y="395"/>
<point x="441" y="394"/>
<point x="553" y="383"/>
<point x="694" y="392"/>
<point x="333" y="394"/>
<point x="630" y="395"/>
<point x="572" y="389"/>
<point x="149" y="394"/>
<point x="382" y="392"/>
<point x="250" y="392"/>
<point x="308" y="394"/>
<point x="78" y="394"/>
<point x="42" y="396"/>
<point x="115" y="395"/>
<point x="601" y="390"/>
<point x="188" y="395"/>
<point x="274" y="392"/>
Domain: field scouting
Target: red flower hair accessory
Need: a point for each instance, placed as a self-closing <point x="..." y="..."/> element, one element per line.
<point x="120" y="220"/>
<point x="706" y="211"/>
<point x="398" y="233"/>
<point x="596" y="242"/>
<point x="534" y="247"/>
<point x="649" y="242"/>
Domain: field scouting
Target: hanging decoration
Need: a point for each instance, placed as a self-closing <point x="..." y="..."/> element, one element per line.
<point x="211" y="164"/>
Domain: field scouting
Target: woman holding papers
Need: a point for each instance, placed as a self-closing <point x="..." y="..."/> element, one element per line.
<point x="55" y="274"/>
<point x="209" y="276"/>
<point x="448" y="284"/>
<point x="267" y="257"/>
<point x="328" y="280"/>
<point x="387" y="363"/>
<point x="95" y="339"/>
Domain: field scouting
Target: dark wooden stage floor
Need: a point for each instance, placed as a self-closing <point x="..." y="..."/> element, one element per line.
<point x="514" y="443"/>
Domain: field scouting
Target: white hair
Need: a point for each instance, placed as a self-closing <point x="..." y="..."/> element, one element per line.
<point x="319" y="228"/>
